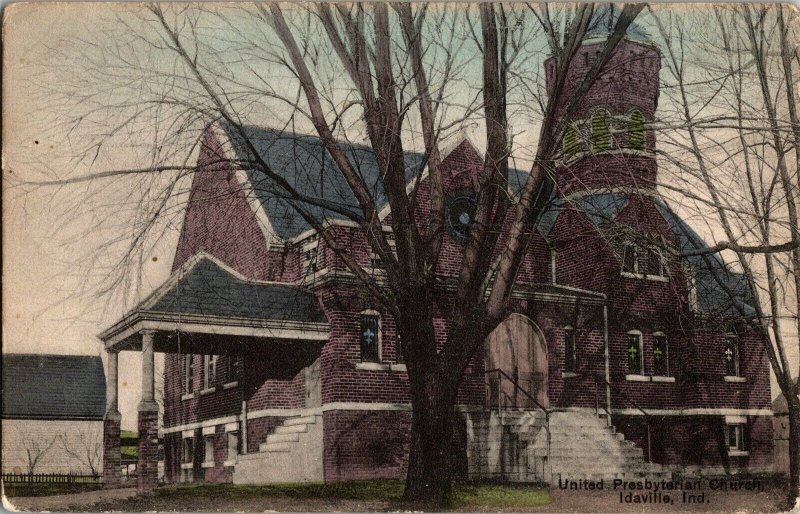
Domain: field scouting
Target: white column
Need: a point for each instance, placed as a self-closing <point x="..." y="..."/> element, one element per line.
<point x="148" y="372"/>
<point x="112" y="395"/>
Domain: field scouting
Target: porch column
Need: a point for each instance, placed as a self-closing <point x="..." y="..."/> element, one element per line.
<point x="147" y="465"/>
<point x="112" y="473"/>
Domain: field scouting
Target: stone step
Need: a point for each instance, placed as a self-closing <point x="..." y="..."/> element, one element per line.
<point x="300" y="420"/>
<point x="283" y="438"/>
<point x="276" y="447"/>
<point x="292" y="429"/>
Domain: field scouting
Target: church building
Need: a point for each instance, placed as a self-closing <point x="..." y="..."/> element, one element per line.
<point x="619" y="357"/>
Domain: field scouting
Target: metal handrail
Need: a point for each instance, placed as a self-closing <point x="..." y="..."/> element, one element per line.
<point x="630" y="400"/>
<point x="516" y="385"/>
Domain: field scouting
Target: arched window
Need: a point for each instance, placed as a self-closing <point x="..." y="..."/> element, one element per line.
<point x="370" y="336"/>
<point x="660" y="355"/>
<point x="570" y="141"/>
<point x="634" y="353"/>
<point x="601" y="133"/>
<point x="635" y="138"/>
<point x="730" y="356"/>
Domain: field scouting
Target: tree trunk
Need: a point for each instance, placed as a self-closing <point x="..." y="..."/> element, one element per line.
<point x="429" y="479"/>
<point x="793" y="404"/>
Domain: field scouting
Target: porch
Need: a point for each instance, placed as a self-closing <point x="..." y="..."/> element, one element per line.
<point x="205" y="308"/>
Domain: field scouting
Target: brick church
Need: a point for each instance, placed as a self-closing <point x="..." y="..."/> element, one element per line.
<point x="619" y="357"/>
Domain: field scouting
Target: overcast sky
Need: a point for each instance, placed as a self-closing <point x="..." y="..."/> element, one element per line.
<point x="56" y="255"/>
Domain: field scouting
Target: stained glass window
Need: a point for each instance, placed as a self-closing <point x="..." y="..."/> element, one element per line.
<point x="370" y="334"/>
<point x="398" y="350"/>
<point x="570" y="364"/>
<point x="660" y="356"/>
<point x="730" y="356"/>
<point x="634" y="354"/>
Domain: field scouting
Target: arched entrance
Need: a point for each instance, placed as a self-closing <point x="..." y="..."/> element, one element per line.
<point x="517" y="347"/>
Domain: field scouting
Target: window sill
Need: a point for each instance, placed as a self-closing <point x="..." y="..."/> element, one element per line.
<point x="207" y="465"/>
<point x="231" y="385"/>
<point x="738" y="453"/>
<point x="654" y="278"/>
<point x="208" y="390"/>
<point x="637" y="378"/>
<point x="374" y="366"/>
<point x="187" y="465"/>
<point x="399" y="367"/>
<point x="187" y="396"/>
<point x="729" y="378"/>
<point x="568" y="374"/>
<point x="229" y="463"/>
<point x="659" y="378"/>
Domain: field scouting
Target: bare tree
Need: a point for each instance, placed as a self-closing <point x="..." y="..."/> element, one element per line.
<point x="737" y="149"/>
<point x="35" y="447"/>
<point x="84" y="446"/>
<point x="378" y="72"/>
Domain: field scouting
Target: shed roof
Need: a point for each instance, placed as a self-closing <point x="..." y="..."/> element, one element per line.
<point x="59" y="387"/>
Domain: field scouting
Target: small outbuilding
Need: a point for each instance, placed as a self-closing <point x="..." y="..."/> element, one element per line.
<point x="52" y="414"/>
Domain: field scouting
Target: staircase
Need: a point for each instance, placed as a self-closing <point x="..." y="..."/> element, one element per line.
<point x="512" y="445"/>
<point x="292" y="453"/>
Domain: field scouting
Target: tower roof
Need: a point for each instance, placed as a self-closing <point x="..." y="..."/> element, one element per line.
<point x="605" y="18"/>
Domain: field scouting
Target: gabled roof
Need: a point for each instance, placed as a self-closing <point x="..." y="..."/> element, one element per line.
<point x="207" y="287"/>
<point x="58" y="387"/>
<point x="305" y="163"/>
<point x="712" y="275"/>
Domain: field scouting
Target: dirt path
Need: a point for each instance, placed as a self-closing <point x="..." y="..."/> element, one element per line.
<point x="75" y="501"/>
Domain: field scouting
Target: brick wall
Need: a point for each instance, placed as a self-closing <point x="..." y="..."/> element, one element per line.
<point x="361" y="445"/>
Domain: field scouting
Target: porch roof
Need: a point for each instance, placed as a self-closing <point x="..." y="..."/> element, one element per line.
<point x="205" y="296"/>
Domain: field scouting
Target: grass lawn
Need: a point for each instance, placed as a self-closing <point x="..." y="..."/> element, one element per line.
<point x="464" y="495"/>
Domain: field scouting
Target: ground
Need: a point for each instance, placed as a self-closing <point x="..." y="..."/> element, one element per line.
<point x="377" y="496"/>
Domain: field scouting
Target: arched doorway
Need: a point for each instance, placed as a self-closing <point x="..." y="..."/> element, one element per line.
<point x="518" y="348"/>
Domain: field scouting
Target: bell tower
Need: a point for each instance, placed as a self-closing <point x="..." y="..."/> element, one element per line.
<point x="607" y="144"/>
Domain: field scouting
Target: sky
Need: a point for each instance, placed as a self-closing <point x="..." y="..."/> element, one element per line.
<point x="60" y="244"/>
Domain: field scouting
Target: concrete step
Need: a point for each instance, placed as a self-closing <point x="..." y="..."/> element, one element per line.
<point x="283" y="438"/>
<point x="292" y="429"/>
<point x="276" y="447"/>
<point x="300" y="420"/>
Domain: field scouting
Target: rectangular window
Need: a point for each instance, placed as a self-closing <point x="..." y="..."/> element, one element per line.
<point x="233" y="365"/>
<point x="660" y="356"/>
<point x="570" y="364"/>
<point x="187" y="450"/>
<point x="310" y="259"/>
<point x="634" y="353"/>
<point x="398" y="350"/>
<point x="629" y="258"/>
<point x="209" y="371"/>
<point x="731" y="356"/>
<point x="233" y="445"/>
<point x="370" y="338"/>
<point x="736" y="437"/>
<point x="208" y="448"/>
<point x="188" y="374"/>
<point x="655" y="262"/>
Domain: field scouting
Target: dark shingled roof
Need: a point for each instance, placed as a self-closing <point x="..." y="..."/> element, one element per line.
<point x="303" y="161"/>
<point x="208" y="289"/>
<point x="604" y="19"/>
<point x="53" y="387"/>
